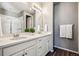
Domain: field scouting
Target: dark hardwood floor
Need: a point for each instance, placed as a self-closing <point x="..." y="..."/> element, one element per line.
<point x="59" y="52"/>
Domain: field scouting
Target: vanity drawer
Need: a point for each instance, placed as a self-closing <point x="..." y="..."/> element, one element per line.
<point x="40" y="43"/>
<point x="21" y="53"/>
<point x="31" y="51"/>
<point x="13" y="49"/>
<point x="39" y="50"/>
<point x="40" y="40"/>
<point x="42" y="46"/>
<point x="45" y="38"/>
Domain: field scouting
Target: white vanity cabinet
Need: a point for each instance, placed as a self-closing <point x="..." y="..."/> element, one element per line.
<point x="31" y="51"/>
<point x="11" y="50"/>
<point x="39" y="46"/>
<point x="42" y="46"/>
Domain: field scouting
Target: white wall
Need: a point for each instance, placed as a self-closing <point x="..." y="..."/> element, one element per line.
<point x="45" y="16"/>
<point x="48" y="15"/>
<point x="38" y="19"/>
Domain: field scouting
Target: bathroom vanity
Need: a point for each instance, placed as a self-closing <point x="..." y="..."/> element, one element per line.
<point x="30" y="16"/>
<point x="26" y="45"/>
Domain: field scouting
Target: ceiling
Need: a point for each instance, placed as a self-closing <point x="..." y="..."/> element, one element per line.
<point x="16" y="6"/>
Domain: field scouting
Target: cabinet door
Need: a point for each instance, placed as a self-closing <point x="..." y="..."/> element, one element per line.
<point x="30" y="51"/>
<point x="45" y="46"/>
<point x="21" y="53"/>
<point x="27" y="52"/>
<point x="39" y="50"/>
<point x="42" y="46"/>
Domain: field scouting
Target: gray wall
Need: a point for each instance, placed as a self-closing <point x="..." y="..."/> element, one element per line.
<point x="66" y="13"/>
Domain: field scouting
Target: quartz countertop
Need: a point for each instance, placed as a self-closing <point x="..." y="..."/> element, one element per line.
<point x="24" y="37"/>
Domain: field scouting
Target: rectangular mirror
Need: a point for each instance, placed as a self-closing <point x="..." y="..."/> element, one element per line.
<point x="14" y="21"/>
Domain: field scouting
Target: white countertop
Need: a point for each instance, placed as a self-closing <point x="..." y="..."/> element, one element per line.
<point x="7" y="41"/>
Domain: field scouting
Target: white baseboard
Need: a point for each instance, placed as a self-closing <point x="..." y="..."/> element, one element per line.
<point x="66" y="49"/>
<point x="51" y="50"/>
